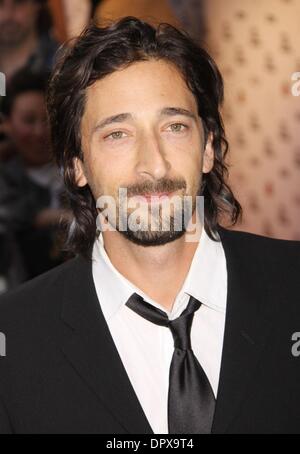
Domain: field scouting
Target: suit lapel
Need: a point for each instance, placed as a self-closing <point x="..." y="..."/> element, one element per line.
<point x="89" y="347"/>
<point x="247" y="326"/>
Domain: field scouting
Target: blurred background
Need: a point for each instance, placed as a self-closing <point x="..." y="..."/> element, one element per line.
<point x="255" y="44"/>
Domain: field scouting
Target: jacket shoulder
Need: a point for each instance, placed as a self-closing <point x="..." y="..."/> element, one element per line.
<point x="261" y="244"/>
<point x="272" y="263"/>
<point x="29" y="298"/>
<point x="277" y="259"/>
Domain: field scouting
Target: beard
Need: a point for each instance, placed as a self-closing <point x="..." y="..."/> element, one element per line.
<point x="158" y="223"/>
<point x="155" y="229"/>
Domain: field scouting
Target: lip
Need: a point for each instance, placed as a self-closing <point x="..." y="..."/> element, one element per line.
<point x="155" y="195"/>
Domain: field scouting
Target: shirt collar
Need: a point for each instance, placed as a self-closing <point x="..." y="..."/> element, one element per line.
<point x="206" y="280"/>
<point x="207" y="277"/>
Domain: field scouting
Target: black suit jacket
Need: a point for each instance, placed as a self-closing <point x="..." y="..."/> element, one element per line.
<point x="62" y="372"/>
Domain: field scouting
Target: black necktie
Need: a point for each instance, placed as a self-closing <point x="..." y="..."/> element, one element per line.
<point x="191" y="401"/>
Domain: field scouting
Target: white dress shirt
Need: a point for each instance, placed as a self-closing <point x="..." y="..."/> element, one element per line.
<point x="145" y="348"/>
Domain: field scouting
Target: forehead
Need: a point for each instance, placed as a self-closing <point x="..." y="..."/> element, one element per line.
<point x="140" y="87"/>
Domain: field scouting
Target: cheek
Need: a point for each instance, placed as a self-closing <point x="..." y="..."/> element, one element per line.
<point x="186" y="152"/>
<point x="98" y="177"/>
<point x="187" y="164"/>
<point x="25" y="137"/>
<point x="193" y="171"/>
<point x="106" y="175"/>
<point x="22" y="132"/>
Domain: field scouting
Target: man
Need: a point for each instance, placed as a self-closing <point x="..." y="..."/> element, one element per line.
<point x="25" y="38"/>
<point x="154" y="327"/>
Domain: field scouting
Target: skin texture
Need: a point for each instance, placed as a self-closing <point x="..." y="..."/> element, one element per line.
<point x="146" y="153"/>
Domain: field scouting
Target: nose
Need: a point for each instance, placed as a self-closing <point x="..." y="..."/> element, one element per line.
<point x="152" y="159"/>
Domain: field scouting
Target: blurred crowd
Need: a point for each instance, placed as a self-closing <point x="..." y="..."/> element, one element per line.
<point x="33" y="207"/>
<point x="32" y="204"/>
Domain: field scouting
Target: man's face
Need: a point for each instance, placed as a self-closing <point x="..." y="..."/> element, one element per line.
<point x="17" y="20"/>
<point x="29" y="128"/>
<point x="155" y="147"/>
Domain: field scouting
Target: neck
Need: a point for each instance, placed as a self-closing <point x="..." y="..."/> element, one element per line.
<point x="14" y="58"/>
<point x="159" y="271"/>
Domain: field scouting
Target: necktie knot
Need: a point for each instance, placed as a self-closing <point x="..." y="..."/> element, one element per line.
<point x="181" y="331"/>
<point x="179" y="327"/>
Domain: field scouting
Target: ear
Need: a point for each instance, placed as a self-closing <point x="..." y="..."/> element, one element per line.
<point x="208" y="155"/>
<point x="79" y="172"/>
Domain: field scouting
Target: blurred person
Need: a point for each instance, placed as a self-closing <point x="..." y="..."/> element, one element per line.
<point x="25" y="36"/>
<point x="30" y="184"/>
<point x="25" y="41"/>
<point x="148" y="330"/>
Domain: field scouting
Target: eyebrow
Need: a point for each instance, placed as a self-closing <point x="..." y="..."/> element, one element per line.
<point x="165" y="112"/>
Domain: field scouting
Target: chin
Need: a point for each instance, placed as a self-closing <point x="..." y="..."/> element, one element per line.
<point x="148" y="238"/>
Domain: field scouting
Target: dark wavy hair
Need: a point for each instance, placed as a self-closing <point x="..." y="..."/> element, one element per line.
<point x="99" y="51"/>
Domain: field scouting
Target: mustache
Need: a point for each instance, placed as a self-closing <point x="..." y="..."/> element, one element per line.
<point x="163" y="185"/>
